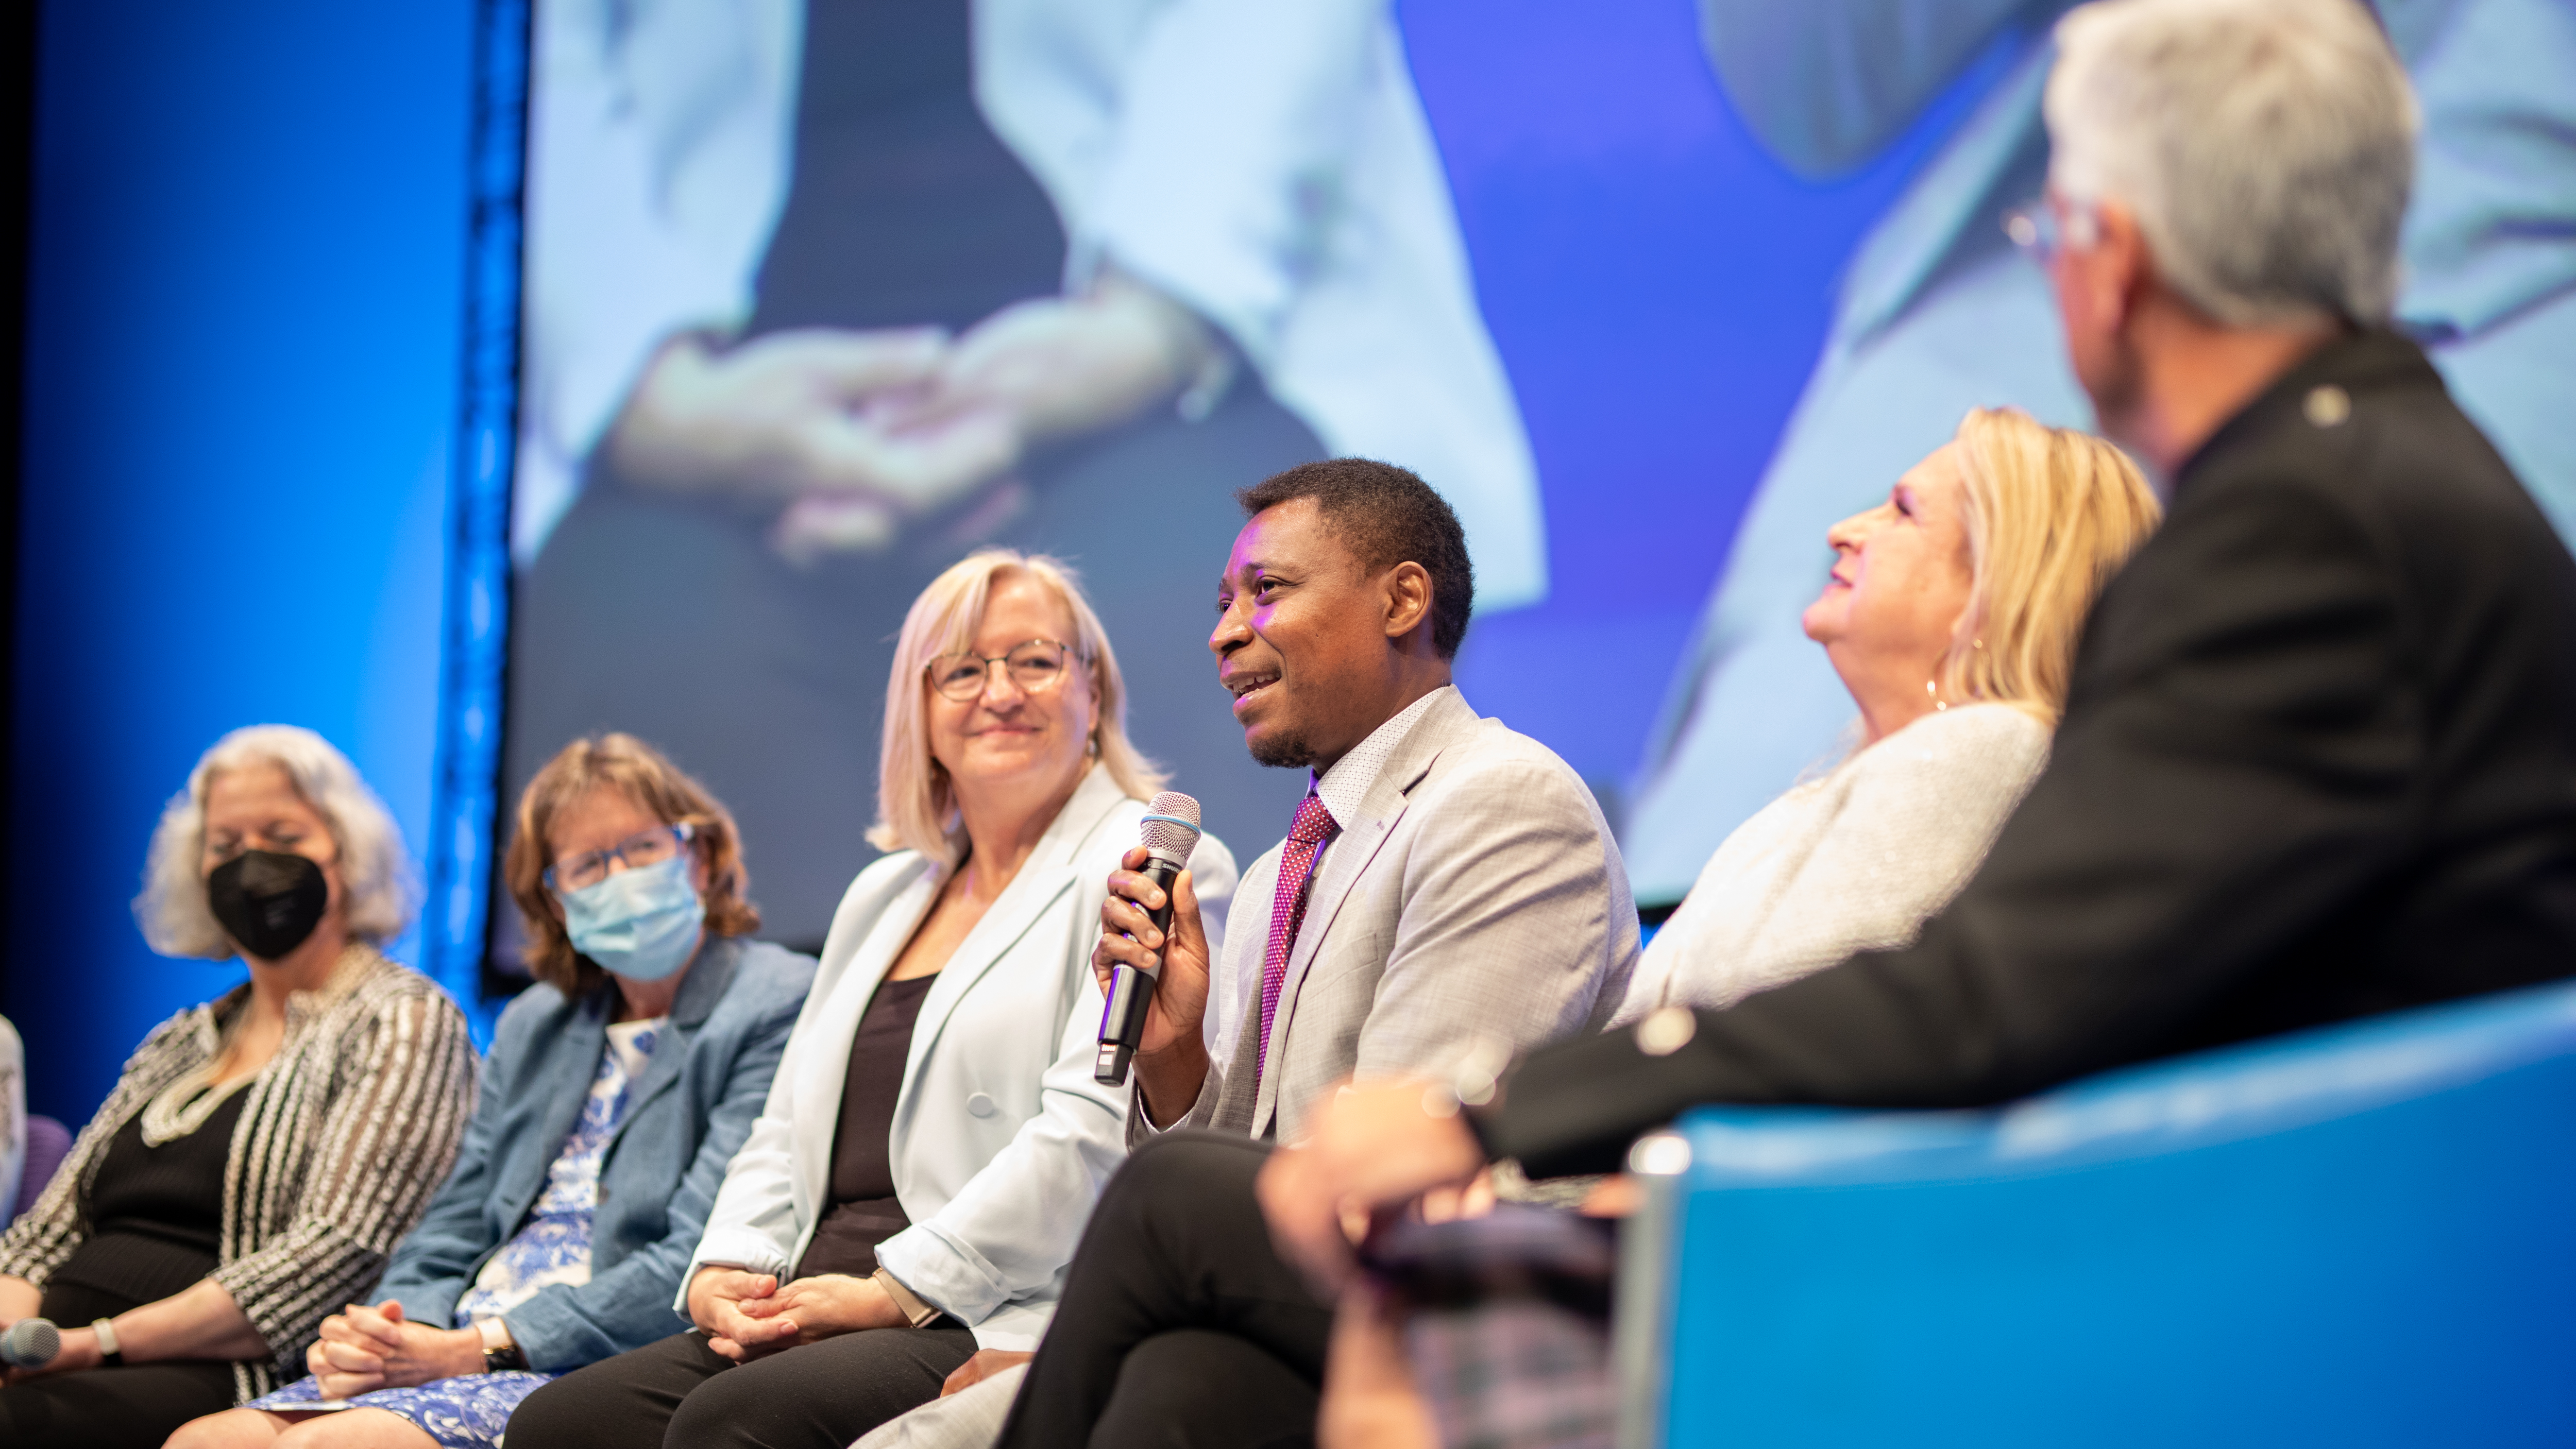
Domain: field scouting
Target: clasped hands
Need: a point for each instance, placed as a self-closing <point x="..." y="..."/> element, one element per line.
<point x="749" y="1315"/>
<point x="363" y="1349"/>
<point x="857" y="433"/>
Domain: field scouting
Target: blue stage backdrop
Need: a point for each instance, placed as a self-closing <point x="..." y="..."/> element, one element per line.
<point x="242" y="359"/>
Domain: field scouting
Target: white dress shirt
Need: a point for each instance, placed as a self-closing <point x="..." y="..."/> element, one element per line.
<point x="1347" y="783"/>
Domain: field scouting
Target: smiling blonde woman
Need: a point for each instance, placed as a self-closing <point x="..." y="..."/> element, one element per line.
<point x="1951" y="615"/>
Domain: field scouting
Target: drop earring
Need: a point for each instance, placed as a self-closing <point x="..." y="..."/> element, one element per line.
<point x="1933" y="689"/>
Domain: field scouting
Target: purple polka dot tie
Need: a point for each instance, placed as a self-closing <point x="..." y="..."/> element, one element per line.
<point x="1306" y="836"/>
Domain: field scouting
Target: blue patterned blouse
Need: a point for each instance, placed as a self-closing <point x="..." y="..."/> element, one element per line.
<point x="552" y="1246"/>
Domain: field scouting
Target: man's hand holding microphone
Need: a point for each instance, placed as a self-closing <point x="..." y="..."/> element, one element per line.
<point x="1153" y="966"/>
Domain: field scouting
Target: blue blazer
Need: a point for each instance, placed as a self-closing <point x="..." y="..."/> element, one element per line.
<point x="689" y="1114"/>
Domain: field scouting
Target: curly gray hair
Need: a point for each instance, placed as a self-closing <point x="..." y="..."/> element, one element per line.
<point x="375" y="871"/>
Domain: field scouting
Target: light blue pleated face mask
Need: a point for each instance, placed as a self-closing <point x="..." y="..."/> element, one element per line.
<point x="641" y="923"/>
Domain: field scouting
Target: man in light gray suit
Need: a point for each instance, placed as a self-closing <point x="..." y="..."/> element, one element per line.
<point x="1448" y="889"/>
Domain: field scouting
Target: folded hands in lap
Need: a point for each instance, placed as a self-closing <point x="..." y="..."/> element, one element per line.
<point x="364" y="1349"/>
<point x="747" y="1315"/>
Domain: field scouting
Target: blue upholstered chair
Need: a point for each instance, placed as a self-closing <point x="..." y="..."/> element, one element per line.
<point x="2361" y="1235"/>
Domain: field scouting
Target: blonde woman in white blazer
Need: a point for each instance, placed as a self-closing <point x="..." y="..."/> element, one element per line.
<point x="905" y="1207"/>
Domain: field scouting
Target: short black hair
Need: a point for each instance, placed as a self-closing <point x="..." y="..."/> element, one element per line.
<point x="1385" y="515"/>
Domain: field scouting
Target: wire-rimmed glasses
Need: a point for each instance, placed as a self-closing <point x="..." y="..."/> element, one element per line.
<point x="643" y="848"/>
<point x="2044" y="225"/>
<point x="1035" y="665"/>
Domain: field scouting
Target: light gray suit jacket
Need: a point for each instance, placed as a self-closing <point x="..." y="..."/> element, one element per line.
<point x="1478" y="900"/>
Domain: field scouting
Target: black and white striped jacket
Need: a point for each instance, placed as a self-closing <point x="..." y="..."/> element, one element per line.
<point x="343" y="1138"/>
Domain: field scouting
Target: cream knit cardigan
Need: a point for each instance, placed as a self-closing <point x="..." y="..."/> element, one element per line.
<point x="343" y="1137"/>
<point x="1854" y="860"/>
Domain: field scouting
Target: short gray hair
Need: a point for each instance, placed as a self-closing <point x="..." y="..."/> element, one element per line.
<point x="375" y="871"/>
<point x="2266" y="148"/>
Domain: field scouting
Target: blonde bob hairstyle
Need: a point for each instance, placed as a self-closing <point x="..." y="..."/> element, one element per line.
<point x="916" y="801"/>
<point x="378" y="886"/>
<point x="645" y="776"/>
<point x="2051" y="515"/>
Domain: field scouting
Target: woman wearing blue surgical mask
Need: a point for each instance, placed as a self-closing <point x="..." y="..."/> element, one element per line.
<point x="618" y="1089"/>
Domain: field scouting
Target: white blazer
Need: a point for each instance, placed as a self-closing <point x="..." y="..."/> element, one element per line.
<point x="1001" y="1139"/>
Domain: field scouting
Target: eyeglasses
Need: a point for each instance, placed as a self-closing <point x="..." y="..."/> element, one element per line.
<point x="2044" y="226"/>
<point x="643" y="848"/>
<point x="1036" y="667"/>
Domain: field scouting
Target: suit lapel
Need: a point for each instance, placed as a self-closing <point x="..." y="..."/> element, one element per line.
<point x="1346" y="859"/>
<point x="575" y="1059"/>
<point x="1239" y="996"/>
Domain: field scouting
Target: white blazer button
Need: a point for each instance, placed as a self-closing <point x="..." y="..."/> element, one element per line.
<point x="981" y="1105"/>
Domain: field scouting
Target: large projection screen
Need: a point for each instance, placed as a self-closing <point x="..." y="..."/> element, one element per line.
<point x="817" y="297"/>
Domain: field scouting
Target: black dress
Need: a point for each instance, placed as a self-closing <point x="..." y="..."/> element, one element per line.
<point x="864" y="1210"/>
<point x="157" y="1225"/>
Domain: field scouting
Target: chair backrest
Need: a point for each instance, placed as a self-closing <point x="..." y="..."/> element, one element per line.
<point x="2364" y="1234"/>
<point x="48" y="1143"/>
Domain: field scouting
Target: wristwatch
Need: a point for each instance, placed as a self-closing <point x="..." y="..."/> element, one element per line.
<point x="500" y="1354"/>
<point x="108" y="1353"/>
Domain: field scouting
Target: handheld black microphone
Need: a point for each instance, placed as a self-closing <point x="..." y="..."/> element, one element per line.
<point x="1171" y="833"/>
<point x="30" y="1343"/>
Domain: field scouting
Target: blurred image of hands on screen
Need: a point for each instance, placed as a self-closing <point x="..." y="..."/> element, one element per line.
<point x="856" y="434"/>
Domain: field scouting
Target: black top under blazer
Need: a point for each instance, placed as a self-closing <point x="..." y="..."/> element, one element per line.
<point x="2318" y="761"/>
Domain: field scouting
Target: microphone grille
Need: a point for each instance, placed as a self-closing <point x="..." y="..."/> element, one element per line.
<point x="30" y="1343"/>
<point x="1172" y="826"/>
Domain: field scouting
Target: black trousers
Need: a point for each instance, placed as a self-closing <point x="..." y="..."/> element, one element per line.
<point x="1180" y="1325"/>
<point x="682" y="1393"/>
<point x="135" y="1407"/>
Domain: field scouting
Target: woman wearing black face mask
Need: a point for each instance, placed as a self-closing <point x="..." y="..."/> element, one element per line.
<point x="263" y="1152"/>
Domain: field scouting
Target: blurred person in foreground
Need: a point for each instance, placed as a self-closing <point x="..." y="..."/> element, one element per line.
<point x="618" y="1088"/>
<point x="263" y="1153"/>
<point x="901" y="1217"/>
<point x="2319" y="753"/>
<point x="1447" y="886"/>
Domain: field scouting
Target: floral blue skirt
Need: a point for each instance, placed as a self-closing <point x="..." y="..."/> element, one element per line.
<point x="466" y="1412"/>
